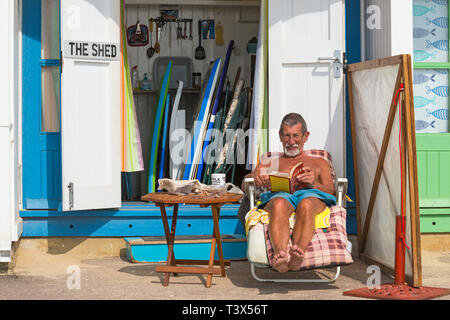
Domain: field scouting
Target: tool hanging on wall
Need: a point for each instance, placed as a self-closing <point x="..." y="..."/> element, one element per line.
<point x="151" y="50"/>
<point x="179" y="30"/>
<point x="200" y="51"/>
<point x="137" y="35"/>
<point x="157" y="38"/>
<point x="190" y="30"/>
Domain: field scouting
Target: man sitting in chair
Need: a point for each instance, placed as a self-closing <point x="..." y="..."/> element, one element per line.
<point x="315" y="192"/>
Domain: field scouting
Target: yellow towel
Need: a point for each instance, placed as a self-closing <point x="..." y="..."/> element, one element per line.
<point x="322" y="220"/>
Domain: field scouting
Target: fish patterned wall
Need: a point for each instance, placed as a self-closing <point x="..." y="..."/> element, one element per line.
<point x="431" y="85"/>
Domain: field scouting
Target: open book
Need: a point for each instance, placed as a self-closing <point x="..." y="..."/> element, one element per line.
<point x="286" y="181"/>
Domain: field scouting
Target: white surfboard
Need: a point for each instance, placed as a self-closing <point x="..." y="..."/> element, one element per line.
<point x="175" y="123"/>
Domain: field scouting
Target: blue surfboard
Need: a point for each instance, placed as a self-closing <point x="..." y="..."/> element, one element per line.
<point x="200" y="125"/>
<point x="157" y="128"/>
<point x="223" y="77"/>
<point x="162" y="160"/>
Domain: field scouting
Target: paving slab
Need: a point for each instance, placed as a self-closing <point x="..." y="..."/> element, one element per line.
<point x="39" y="275"/>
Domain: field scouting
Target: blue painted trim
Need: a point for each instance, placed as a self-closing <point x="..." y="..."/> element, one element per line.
<point x="31" y="117"/>
<point x="130" y="220"/>
<point x="142" y="210"/>
<point x="50" y="63"/>
<point x="353" y="55"/>
<point x="197" y="251"/>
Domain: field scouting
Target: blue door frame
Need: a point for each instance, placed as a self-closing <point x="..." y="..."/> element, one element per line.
<point x="42" y="154"/>
<point x="353" y="55"/>
<point x="41" y="151"/>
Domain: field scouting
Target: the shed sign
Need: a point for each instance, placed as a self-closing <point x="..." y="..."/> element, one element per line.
<point x="91" y="50"/>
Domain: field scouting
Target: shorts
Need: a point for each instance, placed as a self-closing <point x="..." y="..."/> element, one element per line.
<point x="295" y="198"/>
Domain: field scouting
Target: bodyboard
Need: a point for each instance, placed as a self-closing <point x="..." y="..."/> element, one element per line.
<point x="199" y="126"/>
<point x="162" y="160"/>
<point x="223" y="77"/>
<point x="157" y="129"/>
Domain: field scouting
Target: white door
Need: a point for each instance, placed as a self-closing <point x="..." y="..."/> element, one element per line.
<point x="304" y="37"/>
<point x="90" y="104"/>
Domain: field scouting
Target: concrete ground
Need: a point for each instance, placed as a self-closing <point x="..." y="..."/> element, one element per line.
<point x="47" y="274"/>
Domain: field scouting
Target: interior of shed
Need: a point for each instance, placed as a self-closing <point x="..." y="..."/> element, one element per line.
<point x="175" y="30"/>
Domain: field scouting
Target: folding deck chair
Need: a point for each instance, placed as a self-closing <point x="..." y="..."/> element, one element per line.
<point x="328" y="248"/>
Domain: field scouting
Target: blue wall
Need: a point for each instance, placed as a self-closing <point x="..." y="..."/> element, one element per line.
<point x="353" y="55"/>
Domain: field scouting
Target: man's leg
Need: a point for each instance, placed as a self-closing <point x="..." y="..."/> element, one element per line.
<point x="280" y="210"/>
<point x="304" y="229"/>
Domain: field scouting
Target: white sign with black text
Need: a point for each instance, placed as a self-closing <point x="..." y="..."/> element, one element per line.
<point x="91" y="50"/>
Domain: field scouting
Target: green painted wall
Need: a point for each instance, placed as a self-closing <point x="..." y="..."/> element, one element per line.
<point x="433" y="164"/>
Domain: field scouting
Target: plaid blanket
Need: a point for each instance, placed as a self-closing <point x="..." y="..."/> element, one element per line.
<point x="326" y="249"/>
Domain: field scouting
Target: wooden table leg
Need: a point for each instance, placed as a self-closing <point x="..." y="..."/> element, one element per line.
<point x="216" y="215"/>
<point x="171" y="261"/>
<point x="170" y="239"/>
<point x="211" y="262"/>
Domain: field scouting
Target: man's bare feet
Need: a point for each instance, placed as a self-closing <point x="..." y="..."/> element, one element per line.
<point x="297" y="256"/>
<point x="281" y="262"/>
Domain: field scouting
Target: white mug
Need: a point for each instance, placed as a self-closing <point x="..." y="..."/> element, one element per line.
<point x="218" y="179"/>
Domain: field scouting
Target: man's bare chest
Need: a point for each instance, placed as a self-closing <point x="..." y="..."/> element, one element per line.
<point x="286" y="164"/>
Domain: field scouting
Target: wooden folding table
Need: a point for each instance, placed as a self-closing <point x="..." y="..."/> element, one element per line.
<point x="163" y="200"/>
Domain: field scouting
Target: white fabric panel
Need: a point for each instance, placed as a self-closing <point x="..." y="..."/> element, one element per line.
<point x="373" y="90"/>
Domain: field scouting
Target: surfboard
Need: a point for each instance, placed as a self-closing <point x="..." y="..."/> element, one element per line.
<point x="190" y="124"/>
<point x="200" y="125"/>
<point x="179" y="142"/>
<point x="162" y="159"/>
<point x="205" y="123"/>
<point x="231" y="115"/>
<point x="157" y="128"/>
<point x="214" y="146"/>
<point x="223" y="77"/>
<point x="175" y="125"/>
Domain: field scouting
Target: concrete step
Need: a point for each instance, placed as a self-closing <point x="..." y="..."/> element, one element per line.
<point x="190" y="247"/>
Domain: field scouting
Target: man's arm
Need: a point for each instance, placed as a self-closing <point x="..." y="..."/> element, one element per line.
<point x="318" y="177"/>
<point x="324" y="181"/>
<point x="259" y="174"/>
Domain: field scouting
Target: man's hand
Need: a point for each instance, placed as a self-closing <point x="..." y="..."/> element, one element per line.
<point x="262" y="180"/>
<point x="308" y="177"/>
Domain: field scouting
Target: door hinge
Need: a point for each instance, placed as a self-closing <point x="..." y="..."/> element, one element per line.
<point x="70" y="187"/>
<point x="344" y="63"/>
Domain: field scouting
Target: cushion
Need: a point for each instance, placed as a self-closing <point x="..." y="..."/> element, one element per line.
<point x="326" y="249"/>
